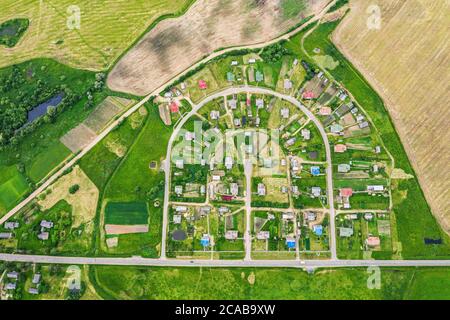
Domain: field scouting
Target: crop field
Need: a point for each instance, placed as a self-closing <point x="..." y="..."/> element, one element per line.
<point x="126" y="213"/>
<point x="409" y="203"/>
<point x="104" y="33"/>
<point x="249" y="283"/>
<point x="413" y="38"/>
<point x="208" y="25"/>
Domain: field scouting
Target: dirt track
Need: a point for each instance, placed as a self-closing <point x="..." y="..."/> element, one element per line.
<point x="406" y="62"/>
<point x="175" y="44"/>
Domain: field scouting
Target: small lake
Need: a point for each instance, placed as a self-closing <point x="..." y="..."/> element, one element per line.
<point x="41" y="109"/>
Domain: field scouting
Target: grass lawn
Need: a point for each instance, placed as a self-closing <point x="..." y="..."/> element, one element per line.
<point x="236" y="283"/>
<point x="126" y="213"/>
<point x="13" y="186"/>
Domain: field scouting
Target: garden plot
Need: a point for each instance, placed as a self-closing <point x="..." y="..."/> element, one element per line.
<point x="13" y="186"/>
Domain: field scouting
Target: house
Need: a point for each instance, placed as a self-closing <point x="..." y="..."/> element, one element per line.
<point x="214" y="115"/>
<point x="43" y="236"/>
<point x="315" y="170"/>
<point x="306" y="134"/>
<point x="260" y="103"/>
<point x="230" y="77"/>
<point x="234" y="189"/>
<point x="261" y="189"/>
<point x="336" y="128"/>
<point x="202" y="189"/>
<point x="372" y="241"/>
<point x="290" y="142"/>
<point x="177" y="218"/>
<point x="325" y="111"/>
<point x="345" y="232"/>
<point x="294" y="190"/>
<point x="231" y="235"/>
<point x="259" y="76"/>
<point x="228" y="163"/>
<point x="174" y="107"/>
<point x="352" y="216"/>
<point x="343" y="96"/>
<point x="288" y="216"/>
<point x="368" y="216"/>
<point x="205" y="240"/>
<point x="227" y="198"/>
<point x="189" y="136"/>
<point x="232" y="103"/>
<point x="223" y="210"/>
<point x="343" y="168"/>
<point x="373" y="189"/>
<point x="263" y="235"/>
<point x="12" y="275"/>
<point x="179" y="163"/>
<point x="234" y="63"/>
<point x="346" y="192"/>
<point x="183" y="86"/>
<point x="237" y="122"/>
<point x="315" y="191"/>
<point x="181" y="209"/>
<point x="36" y="278"/>
<point x="311" y="216"/>
<point x="11" y="225"/>
<point x="340" y="148"/>
<point x="204" y="210"/>
<point x="6" y="235"/>
<point x="33" y="291"/>
<point x="318" y="229"/>
<point x="178" y="190"/>
<point x="363" y="125"/>
<point x="287" y="84"/>
<point x="46" y="224"/>
<point x="377" y="149"/>
<point x="290" y="242"/>
<point x="11" y="286"/>
<point x="252" y="60"/>
<point x="308" y="95"/>
<point x="202" y="84"/>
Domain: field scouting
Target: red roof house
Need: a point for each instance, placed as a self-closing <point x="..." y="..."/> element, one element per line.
<point x="308" y="95"/>
<point x="227" y="198"/>
<point x="340" y="148"/>
<point x="373" y="241"/>
<point x="346" y="192"/>
<point x="325" y="111"/>
<point x="202" y="84"/>
<point x="174" y="107"/>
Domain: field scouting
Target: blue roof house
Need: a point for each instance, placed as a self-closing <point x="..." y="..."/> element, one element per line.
<point x="205" y="240"/>
<point x="315" y="171"/>
<point x="318" y="230"/>
<point x="290" y="243"/>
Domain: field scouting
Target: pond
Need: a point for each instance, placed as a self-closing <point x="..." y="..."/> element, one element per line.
<point x="42" y="108"/>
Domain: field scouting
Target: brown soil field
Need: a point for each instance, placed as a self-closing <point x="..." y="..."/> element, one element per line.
<point x="83" y="202"/>
<point x="175" y="44"/>
<point x="407" y="61"/>
<point x="122" y="229"/>
<point x="79" y="137"/>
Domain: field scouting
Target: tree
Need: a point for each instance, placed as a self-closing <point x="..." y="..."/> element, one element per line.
<point x="73" y="189"/>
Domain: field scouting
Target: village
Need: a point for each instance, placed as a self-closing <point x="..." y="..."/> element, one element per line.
<point x="289" y="203"/>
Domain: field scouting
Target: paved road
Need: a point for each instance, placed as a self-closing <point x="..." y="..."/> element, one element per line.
<point x="255" y="90"/>
<point x="156" y="92"/>
<point x="138" y="261"/>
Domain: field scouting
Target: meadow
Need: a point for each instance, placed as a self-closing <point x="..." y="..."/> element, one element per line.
<point x="412" y="212"/>
<point x="264" y="283"/>
<point x="104" y="31"/>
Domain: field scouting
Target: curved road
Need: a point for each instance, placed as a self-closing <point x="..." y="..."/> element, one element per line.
<point x="257" y="90"/>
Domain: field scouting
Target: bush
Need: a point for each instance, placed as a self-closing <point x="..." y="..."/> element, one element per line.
<point x="73" y="189"/>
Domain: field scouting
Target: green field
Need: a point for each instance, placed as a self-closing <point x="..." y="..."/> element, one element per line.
<point x="13" y="186"/>
<point x="126" y="213"/>
<point x="225" y="284"/>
